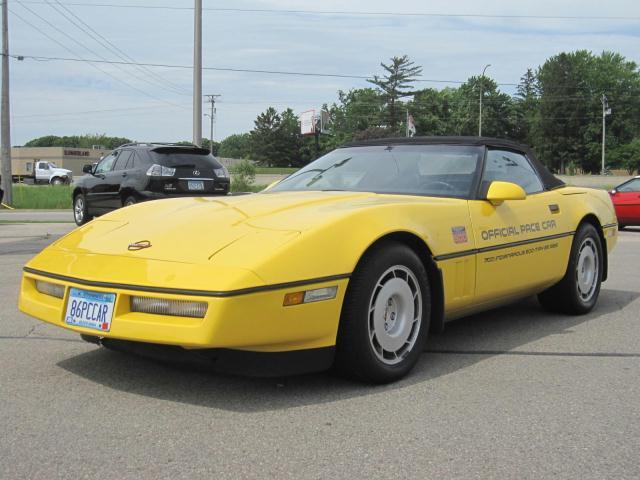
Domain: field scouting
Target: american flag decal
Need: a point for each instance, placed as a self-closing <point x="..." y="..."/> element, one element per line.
<point x="459" y="234"/>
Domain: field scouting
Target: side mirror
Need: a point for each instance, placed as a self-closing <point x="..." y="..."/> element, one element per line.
<point x="613" y="192"/>
<point x="500" y="191"/>
<point x="88" y="168"/>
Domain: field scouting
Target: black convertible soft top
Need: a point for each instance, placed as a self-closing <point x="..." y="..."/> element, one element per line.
<point x="549" y="180"/>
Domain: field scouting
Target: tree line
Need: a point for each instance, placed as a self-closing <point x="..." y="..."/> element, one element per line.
<point x="556" y="109"/>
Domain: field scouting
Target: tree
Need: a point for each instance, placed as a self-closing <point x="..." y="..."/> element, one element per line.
<point x="395" y="85"/>
<point x="433" y="111"/>
<point x="78" y="141"/>
<point x="498" y="115"/>
<point x="627" y="156"/>
<point x="356" y="110"/>
<point x="236" y="146"/>
<point x="526" y="106"/>
<point x="216" y="146"/>
<point x="263" y="137"/>
<point x="275" y="139"/>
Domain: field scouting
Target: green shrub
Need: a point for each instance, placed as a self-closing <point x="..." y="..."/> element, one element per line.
<point x="242" y="176"/>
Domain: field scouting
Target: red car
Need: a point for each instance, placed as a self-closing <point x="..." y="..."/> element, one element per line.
<point x="626" y="200"/>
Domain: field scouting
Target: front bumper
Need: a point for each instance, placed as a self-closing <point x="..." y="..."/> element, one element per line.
<point x="255" y="321"/>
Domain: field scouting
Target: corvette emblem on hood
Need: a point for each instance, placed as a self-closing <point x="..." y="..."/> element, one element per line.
<point x="139" y="245"/>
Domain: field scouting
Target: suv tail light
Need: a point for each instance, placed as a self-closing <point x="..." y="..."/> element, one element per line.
<point x="221" y="172"/>
<point x="156" y="170"/>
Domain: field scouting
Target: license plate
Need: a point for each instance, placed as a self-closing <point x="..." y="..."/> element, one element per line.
<point x="90" y="309"/>
<point x="196" y="185"/>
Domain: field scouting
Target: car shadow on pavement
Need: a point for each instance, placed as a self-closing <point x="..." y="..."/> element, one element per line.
<point x="464" y="342"/>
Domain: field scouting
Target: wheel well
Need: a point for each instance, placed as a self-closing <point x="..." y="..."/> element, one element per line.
<point x="421" y="249"/>
<point x="593" y="220"/>
<point x="77" y="191"/>
<point x="127" y="192"/>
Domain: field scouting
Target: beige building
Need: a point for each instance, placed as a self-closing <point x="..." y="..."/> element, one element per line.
<point x="24" y="158"/>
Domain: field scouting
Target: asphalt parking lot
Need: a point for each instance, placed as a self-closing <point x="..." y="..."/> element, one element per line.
<point x="512" y="393"/>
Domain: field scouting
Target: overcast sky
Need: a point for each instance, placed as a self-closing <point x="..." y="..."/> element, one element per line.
<point x="66" y="98"/>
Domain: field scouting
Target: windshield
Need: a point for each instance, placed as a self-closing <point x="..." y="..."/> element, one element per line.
<point x="52" y="165"/>
<point x="434" y="170"/>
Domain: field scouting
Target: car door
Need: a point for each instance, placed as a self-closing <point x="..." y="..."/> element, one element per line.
<point x="42" y="172"/>
<point x="114" y="178"/>
<point x="522" y="245"/>
<point x="97" y="188"/>
<point x="626" y="200"/>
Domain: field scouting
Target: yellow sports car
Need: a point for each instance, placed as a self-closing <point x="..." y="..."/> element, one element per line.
<point x="350" y="261"/>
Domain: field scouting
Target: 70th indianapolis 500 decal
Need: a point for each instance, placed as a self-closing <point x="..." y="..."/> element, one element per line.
<point x="519" y="253"/>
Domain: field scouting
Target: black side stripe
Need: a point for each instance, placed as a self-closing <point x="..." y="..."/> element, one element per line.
<point x="609" y="225"/>
<point x="475" y="251"/>
<point x="195" y="293"/>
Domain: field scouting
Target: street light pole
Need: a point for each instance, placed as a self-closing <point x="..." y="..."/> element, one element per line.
<point x="197" y="73"/>
<point x="481" y="94"/>
<point x="5" y="128"/>
<point x="212" y="117"/>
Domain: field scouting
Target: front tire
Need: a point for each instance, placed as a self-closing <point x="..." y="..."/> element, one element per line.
<point x="80" y="210"/>
<point x="385" y="315"/>
<point x="57" y="181"/>
<point x="577" y="293"/>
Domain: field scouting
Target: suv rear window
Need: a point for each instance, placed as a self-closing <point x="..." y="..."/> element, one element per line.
<point x="181" y="157"/>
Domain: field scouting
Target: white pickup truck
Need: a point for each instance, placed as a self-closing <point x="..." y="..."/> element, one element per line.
<point x="43" y="171"/>
<point x="48" y="172"/>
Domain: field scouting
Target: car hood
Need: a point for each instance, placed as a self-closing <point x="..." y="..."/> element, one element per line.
<point x="195" y="230"/>
<point x="235" y="242"/>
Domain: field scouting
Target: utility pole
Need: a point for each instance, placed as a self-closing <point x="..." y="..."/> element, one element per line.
<point x="197" y="73"/>
<point x="212" y="117"/>
<point x="481" y="95"/>
<point x="605" y="111"/>
<point x="5" y="127"/>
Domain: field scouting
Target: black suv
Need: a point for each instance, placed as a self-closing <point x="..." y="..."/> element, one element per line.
<point x="146" y="171"/>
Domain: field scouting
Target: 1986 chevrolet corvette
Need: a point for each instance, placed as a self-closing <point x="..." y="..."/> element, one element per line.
<point x="349" y="262"/>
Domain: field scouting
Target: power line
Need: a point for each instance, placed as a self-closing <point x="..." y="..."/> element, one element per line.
<point x="78" y="58"/>
<point x="235" y="70"/>
<point x="353" y="12"/>
<point x="104" y="42"/>
<point x="107" y="110"/>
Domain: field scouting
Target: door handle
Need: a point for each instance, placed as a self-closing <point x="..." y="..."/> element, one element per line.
<point x="554" y="208"/>
<point x="124" y="174"/>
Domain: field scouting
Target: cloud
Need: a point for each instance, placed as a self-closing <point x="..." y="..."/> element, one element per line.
<point x="447" y="47"/>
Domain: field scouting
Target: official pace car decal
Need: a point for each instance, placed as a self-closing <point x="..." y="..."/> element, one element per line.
<point x="459" y="234"/>
<point x="517" y="230"/>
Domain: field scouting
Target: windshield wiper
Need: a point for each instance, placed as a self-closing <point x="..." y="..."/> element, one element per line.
<point x="319" y="175"/>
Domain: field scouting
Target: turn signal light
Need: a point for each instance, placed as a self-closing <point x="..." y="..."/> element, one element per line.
<point x="310" y="296"/>
<point x="48" y="288"/>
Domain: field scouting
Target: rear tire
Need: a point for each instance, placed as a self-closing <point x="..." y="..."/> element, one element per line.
<point x="385" y="316"/>
<point x="130" y="200"/>
<point x="577" y="293"/>
<point x="80" y="210"/>
<point x="621" y="226"/>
